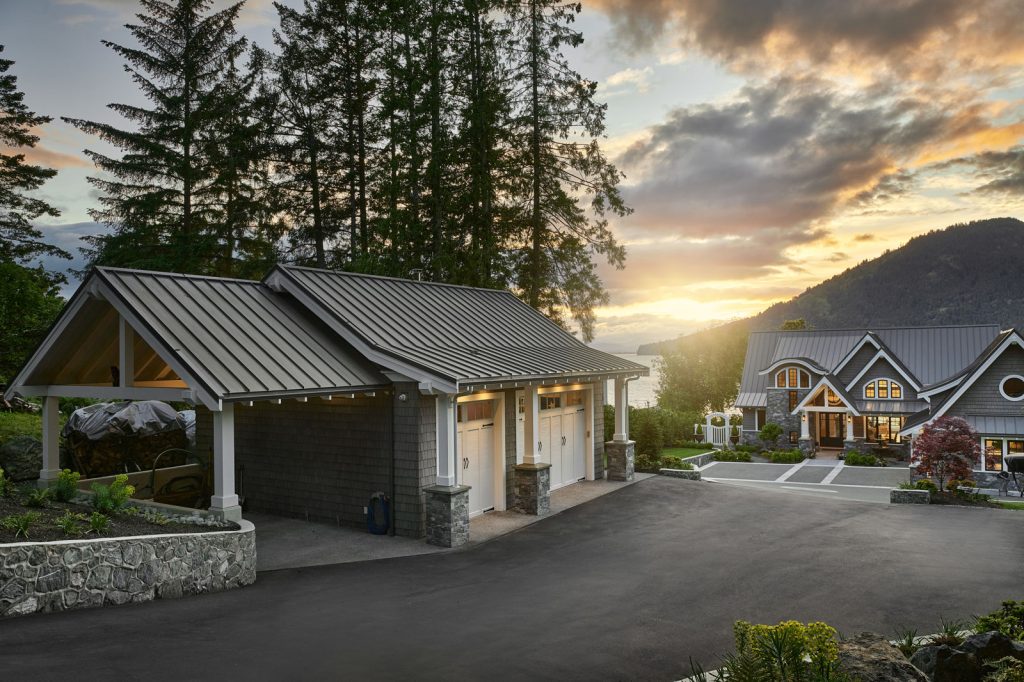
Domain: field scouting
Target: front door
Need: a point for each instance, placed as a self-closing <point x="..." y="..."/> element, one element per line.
<point x="830" y="429"/>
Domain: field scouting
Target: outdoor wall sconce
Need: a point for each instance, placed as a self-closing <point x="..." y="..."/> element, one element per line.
<point x="402" y="397"/>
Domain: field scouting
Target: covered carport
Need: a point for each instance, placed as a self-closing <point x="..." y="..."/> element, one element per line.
<point x="210" y="342"/>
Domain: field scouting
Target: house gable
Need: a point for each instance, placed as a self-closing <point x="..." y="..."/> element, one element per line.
<point x="983" y="396"/>
<point x="853" y="364"/>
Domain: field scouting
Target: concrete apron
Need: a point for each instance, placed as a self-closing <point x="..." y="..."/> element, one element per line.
<point x="283" y="542"/>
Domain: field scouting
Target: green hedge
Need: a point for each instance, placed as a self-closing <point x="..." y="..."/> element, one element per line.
<point x="732" y="456"/>
<point x="785" y="456"/>
<point x="649" y="464"/>
<point x="858" y="459"/>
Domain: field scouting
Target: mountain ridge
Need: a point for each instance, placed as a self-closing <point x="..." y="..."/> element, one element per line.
<point x="945" y="276"/>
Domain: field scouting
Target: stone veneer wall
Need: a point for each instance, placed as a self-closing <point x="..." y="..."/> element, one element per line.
<point x="778" y="411"/>
<point x="75" y="574"/>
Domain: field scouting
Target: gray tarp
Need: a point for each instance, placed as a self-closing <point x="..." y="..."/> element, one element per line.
<point x="141" y="418"/>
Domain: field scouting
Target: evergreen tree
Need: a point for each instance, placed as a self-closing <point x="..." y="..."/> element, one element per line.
<point x="165" y="194"/>
<point x="561" y="164"/>
<point x="19" y="240"/>
<point x="309" y="176"/>
<point x="238" y="147"/>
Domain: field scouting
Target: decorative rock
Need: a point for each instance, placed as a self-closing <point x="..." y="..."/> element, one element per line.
<point x="991" y="646"/>
<point x="21" y="458"/>
<point x="84" y="573"/>
<point x="869" y="657"/>
<point x="943" y="663"/>
<point x="901" y="496"/>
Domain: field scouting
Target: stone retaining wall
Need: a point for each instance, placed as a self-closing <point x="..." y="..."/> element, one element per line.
<point x="74" y="574"/>
<point x="701" y="460"/>
<point x="901" y="496"/>
<point x="681" y="473"/>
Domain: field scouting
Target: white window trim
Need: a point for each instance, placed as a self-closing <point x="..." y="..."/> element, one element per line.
<point x="1005" y="450"/>
<point x="800" y="374"/>
<point x="874" y="382"/>
<point x="1002" y="391"/>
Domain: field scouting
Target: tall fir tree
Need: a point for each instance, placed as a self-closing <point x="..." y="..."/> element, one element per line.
<point x="238" y="144"/>
<point x="561" y="165"/>
<point x="162" y="196"/>
<point x="20" y="241"/>
<point x="309" y="172"/>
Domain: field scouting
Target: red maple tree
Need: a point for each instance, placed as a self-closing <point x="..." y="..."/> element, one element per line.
<point x="947" y="450"/>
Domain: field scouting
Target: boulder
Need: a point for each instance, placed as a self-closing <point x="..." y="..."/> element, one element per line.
<point x="21" y="458"/>
<point x="991" y="646"/>
<point x="869" y="657"/>
<point x="943" y="663"/>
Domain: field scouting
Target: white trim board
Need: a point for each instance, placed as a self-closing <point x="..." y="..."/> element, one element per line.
<point x="895" y="365"/>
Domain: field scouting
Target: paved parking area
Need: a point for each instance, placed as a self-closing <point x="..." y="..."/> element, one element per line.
<point x="832" y="475"/>
<point x="627" y="586"/>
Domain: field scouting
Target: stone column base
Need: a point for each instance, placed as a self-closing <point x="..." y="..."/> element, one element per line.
<point x="533" y="489"/>
<point x="806" y="446"/>
<point x="620" y="459"/>
<point x="447" y="515"/>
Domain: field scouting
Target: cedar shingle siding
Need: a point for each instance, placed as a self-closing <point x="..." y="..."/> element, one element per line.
<point x="856" y="364"/>
<point x="322" y="460"/>
<point x="983" y="397"/>
<point x="882" y="369"/>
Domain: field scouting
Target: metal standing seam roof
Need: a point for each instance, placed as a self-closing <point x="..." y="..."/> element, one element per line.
<point x="890" y="406"/>
<point x="930" y="354"/>
<point x="463" y="333"/>
<point x="239" y="338"/>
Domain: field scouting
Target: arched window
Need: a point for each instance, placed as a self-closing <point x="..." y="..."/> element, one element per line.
<point x="792" y="378"/>
<point x="883" y="389"/>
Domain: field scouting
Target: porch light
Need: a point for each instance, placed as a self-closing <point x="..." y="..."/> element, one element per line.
<point x="803" y="416"/>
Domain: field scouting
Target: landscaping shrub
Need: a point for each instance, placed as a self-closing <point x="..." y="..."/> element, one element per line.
<point x="36" y="497"/>
<point x="926" y="484"/>
<point x="70" y="523"/>
<point x="609" y="422"/>
<point x="732" y="456"/>
<point x="19" y="523"/>
<point x="770" y="433"/>
<point x="906" y="641"/>
<point x="949" y="633"/>
<point x="789" y="651"/>
<point x="859" y="459"/>
<point x="108" y="499"/>
<point x="1007" y="619"/>
<point x="98" y="523"/>
<point x="785" y="456"/>
<point x="645" y="427"/>
<point x="747" y="448"/>
<point x="66" y="487"/>
<point x="692" y="445"/>
<point x="1006" y="669"/>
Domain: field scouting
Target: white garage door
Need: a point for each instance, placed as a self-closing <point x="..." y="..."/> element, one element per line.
<point x="476" y="450"/>
<point x="562" y="429"/>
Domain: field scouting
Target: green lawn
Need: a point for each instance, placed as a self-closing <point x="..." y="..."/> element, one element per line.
<point x="684" y="452"/>
<point x="1010" y="505"/>
<point x="20" y="424"/>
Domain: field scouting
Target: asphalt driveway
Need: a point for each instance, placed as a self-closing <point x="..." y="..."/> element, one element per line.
<point x="624" y="587"/>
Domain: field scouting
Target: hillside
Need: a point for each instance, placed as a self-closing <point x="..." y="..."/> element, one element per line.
<point x="964" y="274"/>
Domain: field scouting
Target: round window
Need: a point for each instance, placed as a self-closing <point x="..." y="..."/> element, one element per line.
<point x="1012" y="387"/>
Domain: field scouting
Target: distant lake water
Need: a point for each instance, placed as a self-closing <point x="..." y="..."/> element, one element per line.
<point x="642" y="391"/>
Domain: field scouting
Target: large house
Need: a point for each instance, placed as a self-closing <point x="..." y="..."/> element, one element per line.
<point x="863" y="389"/>
<point x="316" y="390"/>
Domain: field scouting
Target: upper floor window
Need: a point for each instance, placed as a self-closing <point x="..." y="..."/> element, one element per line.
<point x="792" y="378"/>
<point x="883" y="389"/>
<point x="1012" y="387"/>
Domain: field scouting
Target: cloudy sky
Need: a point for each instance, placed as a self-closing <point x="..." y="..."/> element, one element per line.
<point x="767" y="145"/>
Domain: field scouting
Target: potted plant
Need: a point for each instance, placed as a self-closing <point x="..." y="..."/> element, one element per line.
<point x="734" y="435"/>
<point x="698" y="433"/>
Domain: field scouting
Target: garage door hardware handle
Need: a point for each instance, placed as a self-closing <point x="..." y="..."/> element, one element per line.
<point x="563" y="440"/>
<point x="465" y="462"/>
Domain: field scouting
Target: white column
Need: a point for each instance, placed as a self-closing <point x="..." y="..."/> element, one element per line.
<point x="446" y="435"/>
<point x="531" y="426"/>
<point x="51" y="440"/>
<point x="805" y="427"/>
<point x="588" y="418"/>
<point x="849" y="426"/>
<point x="621" y="411"/>
<point x="224" y="500"/>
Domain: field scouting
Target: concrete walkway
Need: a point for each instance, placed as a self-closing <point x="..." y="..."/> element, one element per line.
<point x="283" y="542"/>
<point x="818" y="477"/>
